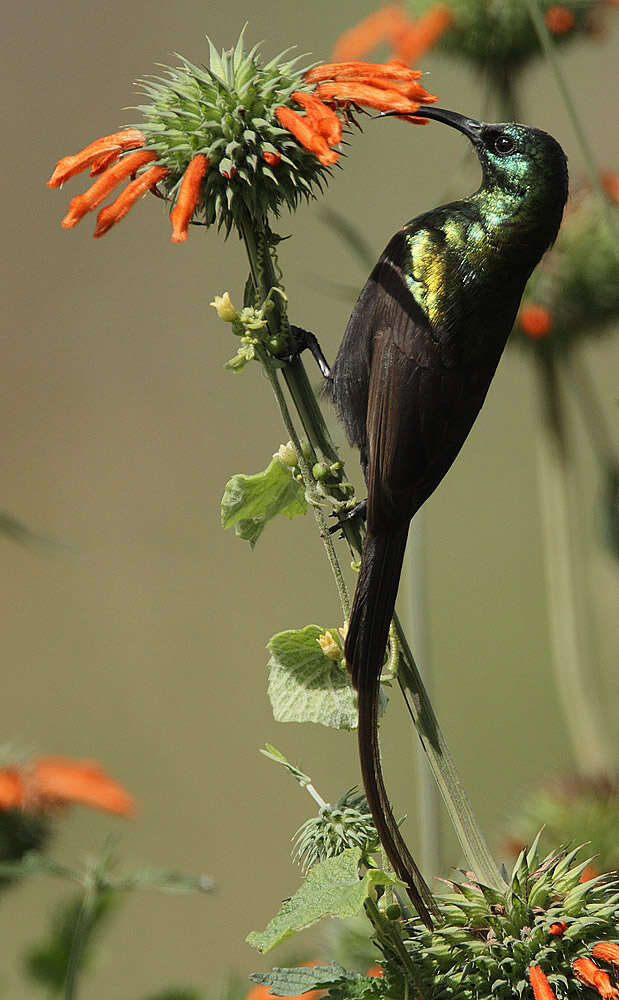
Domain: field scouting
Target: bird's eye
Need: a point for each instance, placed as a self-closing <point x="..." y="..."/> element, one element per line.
<point x="504" y="144"/>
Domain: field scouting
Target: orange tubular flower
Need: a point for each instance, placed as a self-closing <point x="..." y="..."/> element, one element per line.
<point x="107" y="146"/>
<point x="386" y="22"/>
<point x="49" y="782"/>
<point x="542" y="989"/>
<point x="373" y="97"/>
<point x="304" y="130"/>
<point x="98" y="191"/>
<point x="535" y="321"/>
<point x="393" y="70"/>
<point x="591" y="975"/>
<point x="188" y="197"/>
<point x="113" y="213"/>
<point x="559" y="19"/>
<point x="607" y="952"/>
<point x="325" y="120"/>
<point x="558" y="929"/>
<point x="423" y="33"/>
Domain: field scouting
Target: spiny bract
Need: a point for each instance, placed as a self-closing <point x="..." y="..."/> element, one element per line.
<point x="227" y="112"/>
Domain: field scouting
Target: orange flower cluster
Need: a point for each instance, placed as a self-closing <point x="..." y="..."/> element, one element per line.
<point x="586" y="971"/>
<point x="535" y="321"/>
<point x="47" y="783"/>
<point x="559" y="19"/>
<point x="409" y="39"/>
<point x="385" y="87"/>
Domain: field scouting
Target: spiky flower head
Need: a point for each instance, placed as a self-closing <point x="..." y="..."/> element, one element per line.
<point x="226" y="111"/>
<point x="233" y="141"/>
<point x="489" y="941"/>
<point x="573" y="809"/>
<point x="502" y="35"/>
<point x="337" y="827"/>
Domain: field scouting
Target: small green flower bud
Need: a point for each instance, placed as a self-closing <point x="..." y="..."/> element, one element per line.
<point x="320" y="471"/>
<point x="329" y="646"/>
<point x="225" y="309"/>
<point x="393" y="912"/>
<point x="287" y="453"/>
<point x="276" y="344"/>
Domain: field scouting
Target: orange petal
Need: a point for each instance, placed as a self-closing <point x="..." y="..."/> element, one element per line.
<point x="60" y="780"/>
<point x="406" y="88"/>
<point x="127" y="138"/>
<point x="11" y="788"/>
<point x="187" y="197"/>
<point x="324" y="119"/>
<point x="271" y="159"/>
<point x="607" y="951"/>
<point x="423" y="33"/>
<point x="103" y="162"/>
<point x="303" y="130"/>
<point x="372" y="30"/>
<point x="98" y="191"/>
<point x="591" y="975"/>
<point x="373" y="97"/>
<point x="542" y="990"/>
<point x="393" y="70"/>
<point x="113" y="213"/>
<point x="558" y="928"/>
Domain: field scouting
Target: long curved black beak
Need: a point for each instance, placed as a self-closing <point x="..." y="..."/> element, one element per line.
<point x="469" y="126"/>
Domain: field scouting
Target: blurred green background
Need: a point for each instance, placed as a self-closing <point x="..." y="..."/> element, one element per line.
<point x="141" y="643"/>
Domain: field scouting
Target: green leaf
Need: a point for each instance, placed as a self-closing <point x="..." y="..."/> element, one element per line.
<point x="302" y="978"/>
<point x="332" y="889"/>
<point x="307" y="686"/>
<point x="250" y="502"/>
<point x="276" y="755"/>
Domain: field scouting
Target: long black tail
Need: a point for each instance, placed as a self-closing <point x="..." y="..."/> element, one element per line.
<point x="366" y="640"/>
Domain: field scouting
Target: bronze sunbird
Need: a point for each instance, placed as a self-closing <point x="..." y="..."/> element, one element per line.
<point x="412" y="373"/>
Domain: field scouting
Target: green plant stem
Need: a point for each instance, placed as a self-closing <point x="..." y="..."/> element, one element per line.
<point x="429" y="795"/>
<point x="567" y="629"/>
<point x="549" y="51"/>
<point x="469" y="833"/>
<point x="310" y="487"/>
<point x="80" y="938"/>
<point x="444" y="769"/>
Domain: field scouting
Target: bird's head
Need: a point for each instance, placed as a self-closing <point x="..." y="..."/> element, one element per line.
<point x="519" y="162"/>
<point x="512" y="156"/>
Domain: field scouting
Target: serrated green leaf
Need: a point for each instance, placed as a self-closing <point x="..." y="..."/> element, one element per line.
<point x="302" y="978"/>
<point x="305" y="685"/>
<point x="250" y="502"/>
<point x="332" y="889"/>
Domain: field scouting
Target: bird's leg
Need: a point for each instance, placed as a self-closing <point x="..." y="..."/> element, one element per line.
<point x="359" y="510"/>
<point x="304" y="340"/>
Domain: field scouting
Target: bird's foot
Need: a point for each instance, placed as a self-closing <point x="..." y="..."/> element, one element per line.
<point x="358" y="511"/>
<point x="302" y="340"/>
